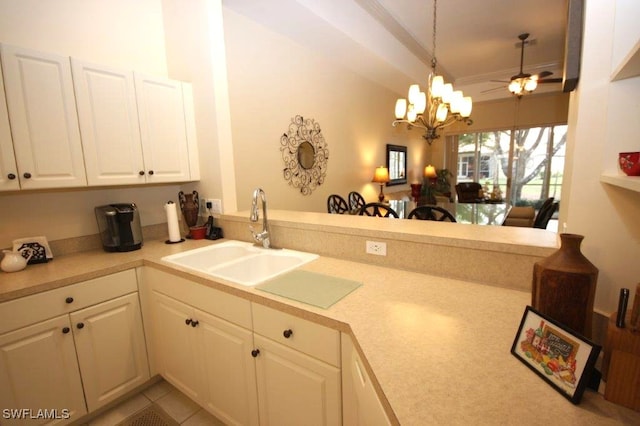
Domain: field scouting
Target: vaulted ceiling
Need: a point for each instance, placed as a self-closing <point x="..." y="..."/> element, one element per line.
<point x="390" y="41"/>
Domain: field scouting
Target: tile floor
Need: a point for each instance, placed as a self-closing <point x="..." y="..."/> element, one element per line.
<point x="182" y="409"/>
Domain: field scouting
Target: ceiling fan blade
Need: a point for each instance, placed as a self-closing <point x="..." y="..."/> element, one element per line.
<point x="493" y="89"/>
<point x="544" y="74"/>
<point x="499" y="81"/>
<point x="550" y="80"/>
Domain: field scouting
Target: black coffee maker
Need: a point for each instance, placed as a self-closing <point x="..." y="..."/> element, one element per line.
<point x="119" y="226"/>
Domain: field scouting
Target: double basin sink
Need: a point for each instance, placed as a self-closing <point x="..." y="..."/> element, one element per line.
<point x="241" y="262"/>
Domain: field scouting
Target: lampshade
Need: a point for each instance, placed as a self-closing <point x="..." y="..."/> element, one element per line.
<point x="421" y="103"/>
<point x="414" y="89"/>
<point x="381" y="175"/>
<point x="467" y="104"/>
<point x="437" y="86"/>
<point x="401" y="108"/>
<point x="430" y="171"/>
<point x="531" y="84"/>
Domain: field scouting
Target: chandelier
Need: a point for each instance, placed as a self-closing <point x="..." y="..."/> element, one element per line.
<point x="439" y="107"/>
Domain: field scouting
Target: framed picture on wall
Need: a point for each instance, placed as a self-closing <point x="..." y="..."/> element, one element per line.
<point x="397" y="164"/>
<point x="561" y="357"/>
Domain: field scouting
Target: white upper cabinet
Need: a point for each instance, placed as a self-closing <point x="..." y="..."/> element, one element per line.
<point x="8" y="170"/>
<point x="108" y="116"/>
<point x="163" y="128"/>
<point x="43" y="117"/>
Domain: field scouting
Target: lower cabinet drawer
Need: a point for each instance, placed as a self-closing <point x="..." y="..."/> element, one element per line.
<point x="305" y="336"/>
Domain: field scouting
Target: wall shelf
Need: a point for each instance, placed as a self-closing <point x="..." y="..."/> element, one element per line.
<point x="629" y="66"/>
<point x="631" y="183"/>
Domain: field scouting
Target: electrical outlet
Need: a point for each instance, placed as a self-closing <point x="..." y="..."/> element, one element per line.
<point x="216" y="205"/>
<point x="377" y="248"/>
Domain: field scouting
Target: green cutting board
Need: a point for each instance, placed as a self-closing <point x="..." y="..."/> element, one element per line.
<point x="309" y="287"/>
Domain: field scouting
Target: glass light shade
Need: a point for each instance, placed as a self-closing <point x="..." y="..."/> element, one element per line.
<point x="421" y="103"/>
<point x="531" y="84"/>
<point x="456" y="101"/>
<point x="442" y="112"/>
<point x="437" y="86"/>
<point x="401" y="108"/>
<point x="411" y="113"/>
<point x="430" y="171"/>
<point x="381" y="175"/>
<point x="465" y="108"/>
<point x="447" y="91"/>
<point x="414" y="89"/>
<point x="514" y="87"/>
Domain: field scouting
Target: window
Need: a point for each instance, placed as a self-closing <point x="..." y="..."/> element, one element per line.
<point x="525" y="164"/>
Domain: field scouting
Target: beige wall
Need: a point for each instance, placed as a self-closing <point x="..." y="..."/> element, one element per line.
<point x="271" y="80"/>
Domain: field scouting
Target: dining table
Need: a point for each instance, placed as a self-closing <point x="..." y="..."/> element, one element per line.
<point x="474" y="213"/>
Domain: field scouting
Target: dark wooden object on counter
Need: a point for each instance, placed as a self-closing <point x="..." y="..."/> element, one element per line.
<point x="621" y="364"/>
<point x="564" y="286"/>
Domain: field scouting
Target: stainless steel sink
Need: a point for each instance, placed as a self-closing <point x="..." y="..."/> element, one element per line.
<point x="241" y="262"/>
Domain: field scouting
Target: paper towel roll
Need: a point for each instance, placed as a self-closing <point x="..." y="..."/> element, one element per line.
<point x="172" y="222"/>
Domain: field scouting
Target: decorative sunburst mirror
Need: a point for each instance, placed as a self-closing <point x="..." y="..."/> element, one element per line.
<point x="305" y="154"/>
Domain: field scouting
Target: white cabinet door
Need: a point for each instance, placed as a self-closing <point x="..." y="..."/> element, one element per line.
<point x="294" y="388"/>
<point x="43" y="117"/>
<point x="162" y="129"/>
<point x="361" y="406"/>
<point x="111" y="349"/>
<point x="229" y="370"/>
<point x="176" y="345"/>
<point x="38" y="370"/>
<point x="8" y="169"/>
<point x="108" y="117"/>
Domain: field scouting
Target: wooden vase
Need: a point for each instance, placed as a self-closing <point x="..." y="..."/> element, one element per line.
<point x="564" y="285"/>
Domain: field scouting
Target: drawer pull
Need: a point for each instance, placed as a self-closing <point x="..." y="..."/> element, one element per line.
<point x="287" y="333"/>
<point x="188" y="321"/>
<point x="141" y="172"/>
<point x="11" y="176"/>
<point x="65" y="330"/>
<point x="194" y="323"/>
<point x="255" y="353"/>
<point x="26" y="175"/>
<point x="69" y="300"/>
<point x="80" y="325"/>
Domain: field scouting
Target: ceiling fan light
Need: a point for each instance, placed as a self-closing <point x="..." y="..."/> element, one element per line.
<point x="437" y="86"/>
<point x="515" y="87"/>
<point x="531" y="84"/>
<point x="401" y="108"/>
<point x="414" y="89"/>
<point x="465" y="107"/>
<point x="421" y="103"/>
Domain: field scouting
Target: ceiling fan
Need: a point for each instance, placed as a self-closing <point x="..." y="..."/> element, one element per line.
<point x="523" y="82"/>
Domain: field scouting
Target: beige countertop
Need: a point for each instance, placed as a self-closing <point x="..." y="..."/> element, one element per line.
<point x="439" y="348"/>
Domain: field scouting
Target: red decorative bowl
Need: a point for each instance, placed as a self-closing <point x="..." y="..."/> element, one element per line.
<point x="630" y="163"/>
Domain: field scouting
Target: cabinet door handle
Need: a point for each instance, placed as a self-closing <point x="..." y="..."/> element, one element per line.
<point x="188" y="321"/>
<point x="255" y="352"/>
<point x="11" y="176"/>
<point x="27" y="175"/>
<point x="65" y="330"/>
<point x="151" y="172"/>
<point x="194" y="323"/>
<point x="141" y="172"/>
<point x="287" y="333"/>
<point x="69" y="300"/>
<point x="80" y="325"/>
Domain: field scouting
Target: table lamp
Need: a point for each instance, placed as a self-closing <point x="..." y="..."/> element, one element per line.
<point x="381" y="176"/>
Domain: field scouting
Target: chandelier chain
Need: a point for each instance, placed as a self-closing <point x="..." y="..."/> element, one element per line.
<point x="433" y="51"/>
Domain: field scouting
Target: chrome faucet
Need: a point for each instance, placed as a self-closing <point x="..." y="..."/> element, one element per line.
<point x="263" y="236"/>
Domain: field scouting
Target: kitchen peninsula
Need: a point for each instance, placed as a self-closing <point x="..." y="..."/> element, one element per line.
<point x="437" y="346"/>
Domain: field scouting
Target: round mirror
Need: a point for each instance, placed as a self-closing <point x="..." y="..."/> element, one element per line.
<point x="306" y="155"/>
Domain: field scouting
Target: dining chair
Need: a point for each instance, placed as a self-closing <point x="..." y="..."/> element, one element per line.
<point x="521" y="216"/>
<point x="468" y="192"/>
<point x="356" y="201"/>
<point x="377" y="209"/>
<point x="431" y="213"/>
<point x="544" y="214"/>
<point x="336" y="204"/>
